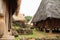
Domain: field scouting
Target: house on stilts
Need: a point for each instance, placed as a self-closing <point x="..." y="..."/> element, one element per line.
<point x="47" y="16"/>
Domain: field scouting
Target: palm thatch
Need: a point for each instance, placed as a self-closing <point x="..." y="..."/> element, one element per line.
<point x="19" y="17"/>
<point x="47" y="8"/>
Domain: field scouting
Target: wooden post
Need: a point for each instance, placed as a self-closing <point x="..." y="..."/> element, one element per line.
<point x="18" y="7"/>
<point x="3" y="12"/>
<point x="50" y="31"/>
<point x="6" y="21"/>
<point x="44" y="30"/>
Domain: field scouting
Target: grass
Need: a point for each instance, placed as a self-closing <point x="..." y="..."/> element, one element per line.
<point x="16" y="38"/>
<point x="35" y="34"/>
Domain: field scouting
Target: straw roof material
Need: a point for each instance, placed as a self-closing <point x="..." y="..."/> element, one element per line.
<point x="47" y="8"/>
<point x="19" y="17"/>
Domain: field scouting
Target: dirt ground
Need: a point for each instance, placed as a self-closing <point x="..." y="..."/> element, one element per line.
<point x="43" y="34"/>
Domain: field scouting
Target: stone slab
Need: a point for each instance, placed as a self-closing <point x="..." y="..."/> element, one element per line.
<point x="8" y="38"/>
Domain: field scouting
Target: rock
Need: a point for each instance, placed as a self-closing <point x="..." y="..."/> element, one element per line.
<point x="7" y="38"/>
<point x="15" y="33"/>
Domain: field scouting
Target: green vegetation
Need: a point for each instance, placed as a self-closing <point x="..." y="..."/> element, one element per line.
<point x="15" y="27"/>
<point x="28" y="18"/>
<point x="16" y="38"/>
<point x="35" y="34"/>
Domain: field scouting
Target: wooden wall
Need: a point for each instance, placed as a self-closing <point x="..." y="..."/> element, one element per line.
<point x="48" y="23"/>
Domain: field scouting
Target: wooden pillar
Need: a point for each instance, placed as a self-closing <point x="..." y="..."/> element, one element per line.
<point x="6" y="21"/>
<point x="50" y="31"/>
<point x="3" y="11"/>
<point x="6" y="25"/>
<point x="10" y="23"/>
<point x="18" y="7"/>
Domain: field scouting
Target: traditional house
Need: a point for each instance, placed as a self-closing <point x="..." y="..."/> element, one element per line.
<point x="19" y="20"/>
<point x="48" y="15"/>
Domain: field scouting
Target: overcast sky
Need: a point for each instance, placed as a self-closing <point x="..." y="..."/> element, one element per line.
<point x="29" y="7"/>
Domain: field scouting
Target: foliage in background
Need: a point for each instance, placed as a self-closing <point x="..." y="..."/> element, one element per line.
<point x="28" y="18"/>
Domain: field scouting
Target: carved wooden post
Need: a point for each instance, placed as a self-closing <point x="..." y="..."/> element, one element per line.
<point x="18" y="7"/>
<point x="5" y="10"/>
<point x="4" y="22"/>
<point x="16" y="13"/>
<point x="2" y="16"/>
<point x="6" y="16"/>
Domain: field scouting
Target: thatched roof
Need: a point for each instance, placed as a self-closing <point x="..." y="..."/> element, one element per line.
<point x="19" y="17"/>
<point x="47" y="8"/>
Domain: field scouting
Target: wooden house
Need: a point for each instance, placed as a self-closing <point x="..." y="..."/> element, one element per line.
<point x="48" y="15"/>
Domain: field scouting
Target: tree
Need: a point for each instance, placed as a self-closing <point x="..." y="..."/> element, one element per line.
<point x="28" y="18"/>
